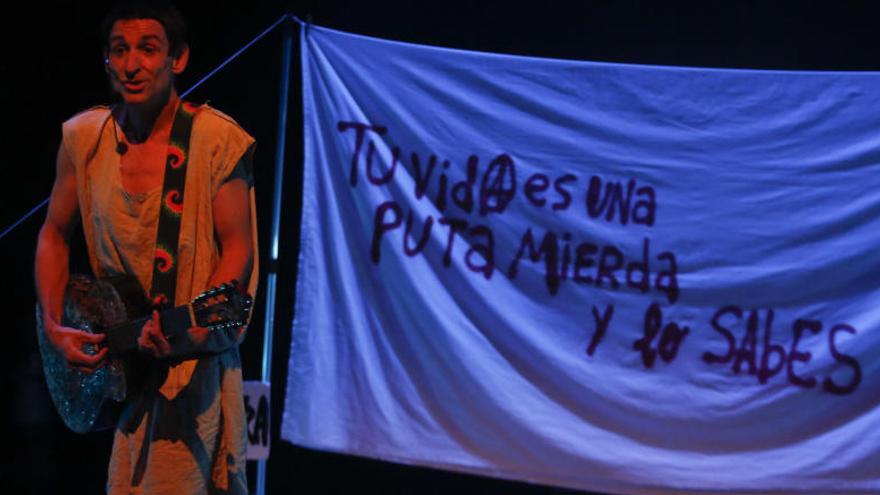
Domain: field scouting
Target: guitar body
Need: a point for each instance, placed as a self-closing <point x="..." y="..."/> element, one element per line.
<point x="90" y="401"/>
<point x="119" y="308"/>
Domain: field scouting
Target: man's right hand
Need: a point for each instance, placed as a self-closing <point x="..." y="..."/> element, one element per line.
<point x="52" y="265"/>
<point x="70" y="342"/>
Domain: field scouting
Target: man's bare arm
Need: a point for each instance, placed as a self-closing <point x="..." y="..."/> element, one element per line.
<point x="232" y="225"/>
<point x="52" y="268"/>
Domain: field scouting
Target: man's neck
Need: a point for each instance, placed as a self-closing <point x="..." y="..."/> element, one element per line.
<point x="141" y="122"/>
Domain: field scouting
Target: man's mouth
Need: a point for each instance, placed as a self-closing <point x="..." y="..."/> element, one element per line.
<point x="134" y="86"/>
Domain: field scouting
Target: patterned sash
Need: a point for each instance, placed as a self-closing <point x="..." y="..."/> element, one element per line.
<point x="168" y="230"/>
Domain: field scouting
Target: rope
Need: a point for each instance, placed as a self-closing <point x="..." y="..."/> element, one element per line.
<point x="25" y="217"/>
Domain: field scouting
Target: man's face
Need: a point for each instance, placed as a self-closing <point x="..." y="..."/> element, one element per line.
<point x="140" y="66"/>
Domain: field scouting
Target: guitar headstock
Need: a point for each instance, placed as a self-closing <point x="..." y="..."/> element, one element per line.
<point x="222" y="307"/>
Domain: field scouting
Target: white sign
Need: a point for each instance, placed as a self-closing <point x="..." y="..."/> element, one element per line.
<point x="256" y="406"/>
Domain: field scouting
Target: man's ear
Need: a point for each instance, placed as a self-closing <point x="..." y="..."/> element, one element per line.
<point x="178" y="63"/>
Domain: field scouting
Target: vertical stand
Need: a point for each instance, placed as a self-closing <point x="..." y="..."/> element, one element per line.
<point x="269" y="319"/>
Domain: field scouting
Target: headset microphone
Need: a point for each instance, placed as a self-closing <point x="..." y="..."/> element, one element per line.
<point x="121" y="147"/>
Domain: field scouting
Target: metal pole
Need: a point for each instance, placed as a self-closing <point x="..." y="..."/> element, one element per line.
<point x="269" y="319"/>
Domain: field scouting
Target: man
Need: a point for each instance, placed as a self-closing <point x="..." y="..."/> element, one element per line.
<point x="185" y="431"/>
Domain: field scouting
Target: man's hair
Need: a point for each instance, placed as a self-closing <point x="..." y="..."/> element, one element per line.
<point x="162" y="12"/>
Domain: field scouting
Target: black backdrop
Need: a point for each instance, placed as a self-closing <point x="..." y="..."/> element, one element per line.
<point x="51" y="68"/>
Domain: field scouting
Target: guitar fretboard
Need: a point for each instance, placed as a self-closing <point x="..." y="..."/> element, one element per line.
<point x="122" y="338"/>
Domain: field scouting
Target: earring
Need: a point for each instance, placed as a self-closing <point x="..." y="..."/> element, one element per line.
<point x="106" y="61"/>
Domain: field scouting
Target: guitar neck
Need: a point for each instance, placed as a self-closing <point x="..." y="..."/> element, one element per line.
<point x="122" y="338"/>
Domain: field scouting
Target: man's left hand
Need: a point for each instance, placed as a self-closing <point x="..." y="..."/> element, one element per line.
<point x="152" y="341"/>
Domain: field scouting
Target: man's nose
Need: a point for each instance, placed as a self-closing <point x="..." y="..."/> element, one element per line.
<point x="132" y="65"/>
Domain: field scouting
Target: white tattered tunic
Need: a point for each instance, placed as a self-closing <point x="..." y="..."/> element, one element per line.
<point x="186" y="433"/>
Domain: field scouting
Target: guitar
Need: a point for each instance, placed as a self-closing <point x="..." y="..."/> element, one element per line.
<point x="119" y="308"/>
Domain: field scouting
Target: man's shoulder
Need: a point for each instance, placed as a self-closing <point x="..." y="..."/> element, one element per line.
<point x="213" y="119"/>
<point x="219" y="141"/>
<point x="90" y="118"/>
<point x="81" y="133"/>
<point x="216" y="130"/>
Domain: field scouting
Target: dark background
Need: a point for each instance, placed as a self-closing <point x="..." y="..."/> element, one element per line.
<point x="51" y="68"/>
